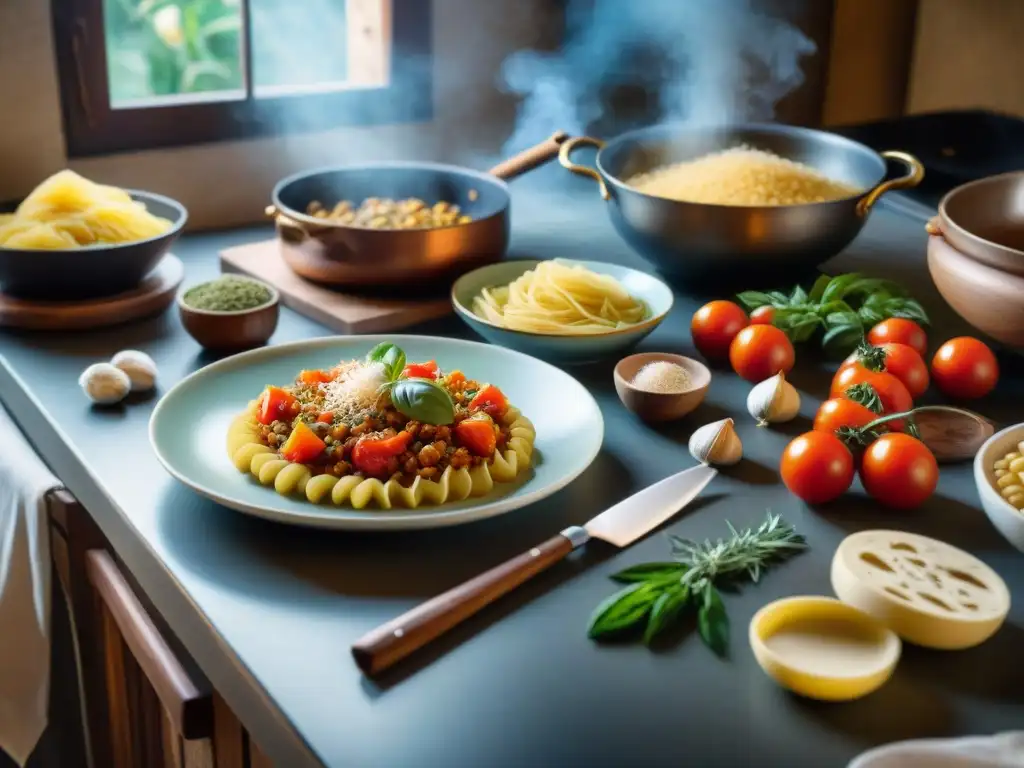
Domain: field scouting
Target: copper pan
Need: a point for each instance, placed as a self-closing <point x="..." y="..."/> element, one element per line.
<point x="337" y="254"/>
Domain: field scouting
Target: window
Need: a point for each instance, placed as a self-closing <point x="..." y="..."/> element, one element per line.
<point x="142" y="74"/>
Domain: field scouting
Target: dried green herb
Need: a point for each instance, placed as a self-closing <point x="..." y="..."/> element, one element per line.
<point x="227" y="294"/>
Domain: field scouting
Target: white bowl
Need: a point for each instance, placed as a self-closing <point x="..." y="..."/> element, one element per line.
<point x="1009" y="521"/>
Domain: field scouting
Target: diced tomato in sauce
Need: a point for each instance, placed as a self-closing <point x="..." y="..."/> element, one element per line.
<point x="426" y="370"/>
<point x="371" y="455"/>
<point x="276" y="404"/>
<point x="491" y="401"/>
<point x="477" y="435"/>
<point x="302" y="444"/>
<point x="315" y="377"/>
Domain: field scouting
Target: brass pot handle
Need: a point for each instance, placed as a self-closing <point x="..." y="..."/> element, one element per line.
<point x="911" y="179"/>
<point x="288" y="229"/>
<point x="565" y="158"/>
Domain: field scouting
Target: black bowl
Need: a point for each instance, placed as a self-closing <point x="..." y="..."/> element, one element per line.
<point x="92" y="271"/>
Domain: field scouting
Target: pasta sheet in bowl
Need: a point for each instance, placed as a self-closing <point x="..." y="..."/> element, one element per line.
<point x="203" y="414"/>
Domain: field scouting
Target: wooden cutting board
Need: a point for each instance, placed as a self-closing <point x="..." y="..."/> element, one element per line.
<point x="153" y="295"/>
<point x="342" y="312"/>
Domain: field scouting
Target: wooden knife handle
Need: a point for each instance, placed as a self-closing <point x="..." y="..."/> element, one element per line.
<point x="392" y="642"/>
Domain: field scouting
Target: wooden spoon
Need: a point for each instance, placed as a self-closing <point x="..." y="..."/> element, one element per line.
<point x="952" y="434"/>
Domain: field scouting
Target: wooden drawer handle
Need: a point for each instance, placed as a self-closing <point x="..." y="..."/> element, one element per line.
<point x="189" y="709"/>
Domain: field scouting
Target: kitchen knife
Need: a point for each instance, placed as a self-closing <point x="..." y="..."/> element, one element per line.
<point x="620" y="525"/>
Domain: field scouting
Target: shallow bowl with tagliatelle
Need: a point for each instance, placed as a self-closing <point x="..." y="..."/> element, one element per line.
<point x="564" y="346"/>
<point x="194" y="424"/>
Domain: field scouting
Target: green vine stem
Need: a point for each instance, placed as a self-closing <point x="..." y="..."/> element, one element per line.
<point x="862" y="436"/>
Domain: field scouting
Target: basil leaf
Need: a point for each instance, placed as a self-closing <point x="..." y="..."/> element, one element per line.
<point x="798" y="297"/>
<point x="394" y="362"/>
<point x="423" y="400"/>
<point x="818" y="289"/>
<point x="779" y="299"/>
<point x="623" y="610"/>
<point x="836" y="289"/>
<point x="836" y="305"/>
<point x="753" y="299"/>
<point x="878" y="300"/>
<point x="908" y="308"/>
<point x="870" y="316"/>
<point x="843" y="317"/>
<point x="712" y="621"/>
<point x="803" y="329"/>
<point x="376" y="355"/>
<point x="665" y="610"/>
<point x="840" y="340"/>
<point x="665" y="572"/>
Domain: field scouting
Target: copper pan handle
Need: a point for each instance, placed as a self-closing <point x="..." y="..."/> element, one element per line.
<point x="530" y="158"/>
<point x="913" y="176"/>
<point x="565" y="158"/>
<point x="288" y="229"/>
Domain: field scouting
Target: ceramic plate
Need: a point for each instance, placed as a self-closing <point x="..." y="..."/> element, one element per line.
<point x="189" y="427"/>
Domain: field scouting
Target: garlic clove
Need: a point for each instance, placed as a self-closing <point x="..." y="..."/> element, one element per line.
<point x="140" y="367"/>
<point x="716" y="443"/>
<point x="104" y="384"/>
<point x="773" y="401"/>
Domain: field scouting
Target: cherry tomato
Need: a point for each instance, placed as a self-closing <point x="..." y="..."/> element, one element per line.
<point x="371" y="455"/>
<point x="715" y="325"/>
<point x="762" y="315"/>
<point x="761" y="351"/>
<point x="901" y="331"/>
<point x="965" y="368"/>
<point x="899" y="471"/>
<point x="901" y="360"/>
<point x="817" y="467"/>
<point x="894" y="396"/>
<point x="840" y="412"/>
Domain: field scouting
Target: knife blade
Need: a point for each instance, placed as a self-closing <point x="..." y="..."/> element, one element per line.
<point x="619" y="525"/>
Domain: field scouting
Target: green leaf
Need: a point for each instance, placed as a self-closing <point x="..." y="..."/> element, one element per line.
<point x="840" y="340"/>
<point x="665" y="610"/>
<point x="804" y="328"/>
<point x="870" y="316"/>
<point x="818" y="289"/>
<point x="779" y="299"/>
<point x="753" y="299"/>
<point x="908" y="308"/>
<point x="798" y="297"/>
<point x="422" y="400"/>
<point x="623" y="610"/>
<point x="842" y="318"/>
<point x="836" y="289"/>
<point x="391" y="357"/>
<point x="660" y="572"/>
<point x="712" y="621"/>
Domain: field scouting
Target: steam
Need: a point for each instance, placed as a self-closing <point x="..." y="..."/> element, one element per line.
<point x="702" y="61"/>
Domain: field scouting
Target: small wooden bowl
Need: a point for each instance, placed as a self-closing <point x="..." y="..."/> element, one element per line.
<point x="658" y="406"/>
<point x="231" y="331"/>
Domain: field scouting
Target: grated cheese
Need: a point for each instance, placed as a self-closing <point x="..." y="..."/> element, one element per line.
<point x="354" y="393"/>
<point x="662" y="377"/>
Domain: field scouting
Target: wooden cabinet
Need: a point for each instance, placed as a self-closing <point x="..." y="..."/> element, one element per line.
<point x="142" y="707"/>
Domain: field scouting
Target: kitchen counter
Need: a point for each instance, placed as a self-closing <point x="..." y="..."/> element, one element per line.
<point x="268" y="612"/>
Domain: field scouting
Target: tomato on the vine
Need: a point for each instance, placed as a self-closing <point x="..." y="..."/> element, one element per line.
<point x="715" y="325"/>
<point x="899" y="471"/>
<point x="817" y="467"/>
<point x="839" y="412"/>
<point x="901" y="331"/>
<point x="760" y="351"/>
<point x="892" y="395"/>
<point x="763" y="315"/>
<point x="901" y="360"/>
<point x="965" y="368"/>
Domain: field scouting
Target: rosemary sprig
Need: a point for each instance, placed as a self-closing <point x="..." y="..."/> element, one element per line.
<point x="659" y="593"/>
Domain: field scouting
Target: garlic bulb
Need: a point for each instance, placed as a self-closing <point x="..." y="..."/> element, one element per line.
<point x="716" y="443"/>
<point x="773" y="401"/>
<point x="139" y="366"/>
<point x="104" y="384"/>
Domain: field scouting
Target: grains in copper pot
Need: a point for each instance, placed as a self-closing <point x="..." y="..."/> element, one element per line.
<point x="385" y="213"/>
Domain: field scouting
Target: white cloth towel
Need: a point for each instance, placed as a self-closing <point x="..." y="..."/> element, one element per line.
<point x="1004" y="750"/>
<point x="24" y="593"/>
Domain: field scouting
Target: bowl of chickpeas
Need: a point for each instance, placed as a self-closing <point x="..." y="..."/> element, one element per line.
<point x="999" y="474"/>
